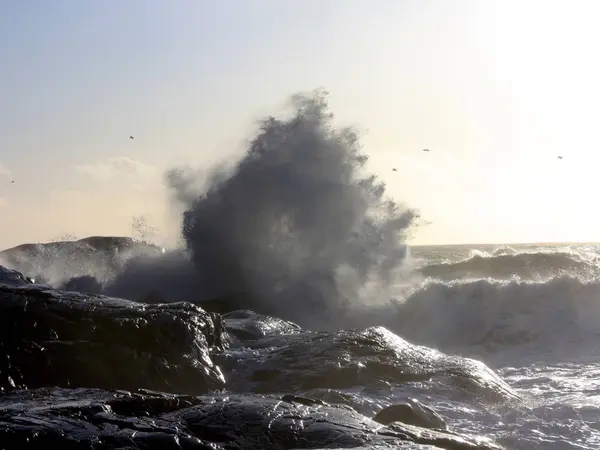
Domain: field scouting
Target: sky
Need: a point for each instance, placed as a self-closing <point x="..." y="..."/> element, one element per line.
<point x="496" y="90"/>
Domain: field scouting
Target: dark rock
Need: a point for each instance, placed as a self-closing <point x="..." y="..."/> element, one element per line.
<point x="351" y="399"/>
<point x="412" y="412"/>
<point x="10" y="277"/>
<point x="357" y="358"/>
<point x="303" y="400"/>
<point x="90" y="419"/>
<point x="55" y="338"/>
<point x="249" y="325"/>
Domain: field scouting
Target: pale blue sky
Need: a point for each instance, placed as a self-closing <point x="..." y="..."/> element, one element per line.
<point x="491" y="87"/>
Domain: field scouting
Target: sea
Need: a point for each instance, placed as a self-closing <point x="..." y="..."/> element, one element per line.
<point x="305" y="257"/>
<point x="531" y="312"/>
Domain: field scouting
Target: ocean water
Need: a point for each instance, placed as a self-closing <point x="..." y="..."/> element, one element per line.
<point x="500" y="341"/>
<point x="532" y="313"/>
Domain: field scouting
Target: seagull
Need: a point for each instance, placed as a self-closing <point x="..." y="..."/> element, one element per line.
<point x="12" y="181"/>
<point x="394" y="169"/>
<point x="130" y="137"/>
<point x="425" y="149"/>
<point x="560" y="157"/>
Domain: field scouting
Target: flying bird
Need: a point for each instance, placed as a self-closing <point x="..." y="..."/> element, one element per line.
<point x="130" y="137"/>
<point x="425" y="149"/>
<point x="560" y="157"/>
<point x="394" y="169"/>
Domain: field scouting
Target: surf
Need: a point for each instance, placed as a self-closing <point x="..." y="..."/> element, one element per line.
<point x="296" y="226"/>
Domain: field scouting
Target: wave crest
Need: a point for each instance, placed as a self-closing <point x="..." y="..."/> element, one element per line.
<point x="540" y="265"/>
<point x="556" y="316"/>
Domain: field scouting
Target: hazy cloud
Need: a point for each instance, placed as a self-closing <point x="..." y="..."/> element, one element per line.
<point x="117" y="167"/>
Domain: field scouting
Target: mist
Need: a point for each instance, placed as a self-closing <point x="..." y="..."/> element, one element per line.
<point x="296" y="226"/>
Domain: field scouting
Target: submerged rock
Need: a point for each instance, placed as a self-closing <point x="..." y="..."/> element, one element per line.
<point x="92" y="419"/>
<point x="55" y="338"/>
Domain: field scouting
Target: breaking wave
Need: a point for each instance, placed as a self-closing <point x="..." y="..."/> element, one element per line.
<point x="530" y="265"/>
<point x="297" y="229"/>
<point x="559" y="316"/>
<point x="296" y="226"/>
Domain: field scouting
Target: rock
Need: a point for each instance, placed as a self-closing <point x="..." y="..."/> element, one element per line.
<point x="353" y="398"/>
<point x="92" y="419"/>
<point x="10" y="277"/>
<point x="412" y="412"/>
<point x="66" y="339"/>
<point x="249" y="325"/>
<point x="290" y="398"/>
<point x="347" y="359"/>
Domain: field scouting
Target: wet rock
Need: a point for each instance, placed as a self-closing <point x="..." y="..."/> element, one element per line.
<point x="412" y="412"/>
<point x="352" y="399"/>
<point x="11" y="277"/>
<point x="356" y="358"/>
<point x="88" y="419"/>
<point x="249" y="325"/>
<point x="290" y="398"/>
<point x="66" y="339"/>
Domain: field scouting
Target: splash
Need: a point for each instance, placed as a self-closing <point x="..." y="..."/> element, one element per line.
<point x="295" y="226"/>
